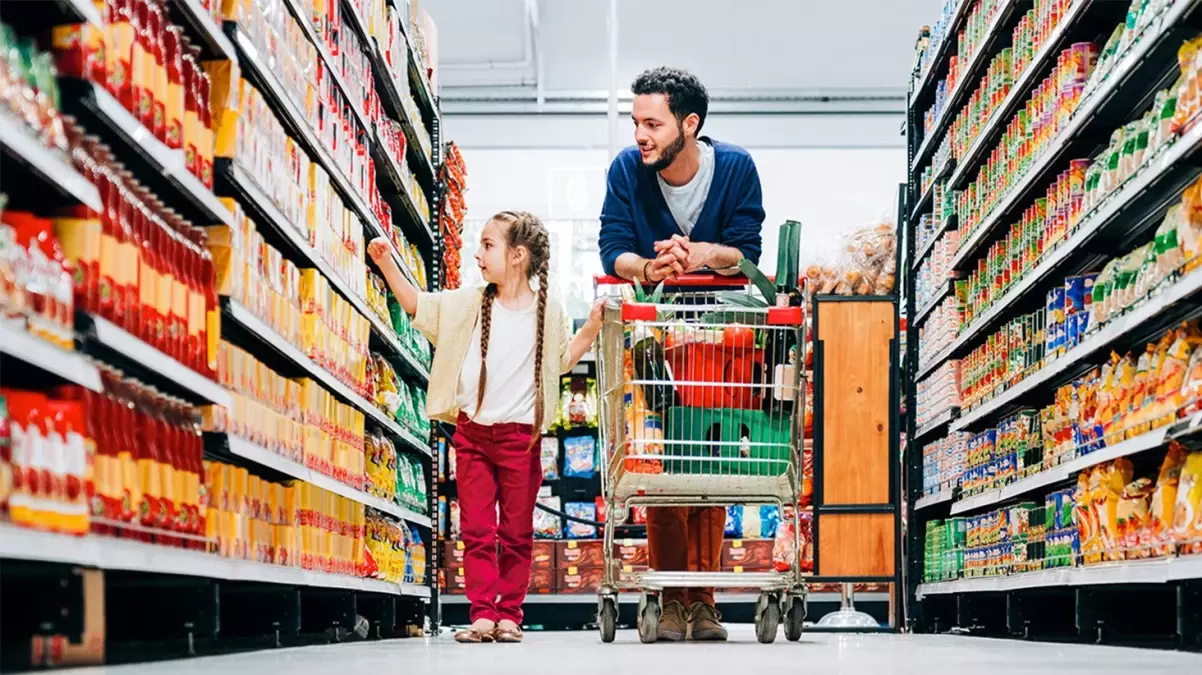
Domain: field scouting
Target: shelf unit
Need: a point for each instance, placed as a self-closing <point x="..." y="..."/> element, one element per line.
<point x="29" y="359"/>
<point x="1123" y="220"/>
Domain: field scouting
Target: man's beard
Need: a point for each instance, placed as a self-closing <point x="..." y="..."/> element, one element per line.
<point x="670" y="153"/>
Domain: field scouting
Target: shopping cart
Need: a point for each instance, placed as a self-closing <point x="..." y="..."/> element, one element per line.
<point x="701" y="402"/>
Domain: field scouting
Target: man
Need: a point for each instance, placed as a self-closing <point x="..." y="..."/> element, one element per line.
<point x="679" y="203"/>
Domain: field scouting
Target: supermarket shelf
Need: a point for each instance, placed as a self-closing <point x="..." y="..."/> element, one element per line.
<point x="944" y="51"/>
<point x="277" y="462"/>
<point x="939" y="358"/>
<point x="949" y="223"/>
<point x="52" y="168"/>
<point x="1041" y="63"/>
<point x="93" y="103"/>
<point x="922" y="313"/>
<point x="356" y="22"/>
<point x="418" y="227"/>
<point x="17" y="543"/>
<point x="230" y="175"/>
<point x="924" y="200"/>
<point x="1168" y="298"/>
<point x="419" y="80"/>
<point x="240" y="315"/>
<point x="294" y="121"/>
<point x="1137" y="77"/>
<point x="970" y="79"/>
<point x="632" y="598"/>
<point x="70" y="366"/>
<point x="932" y="500"/>
<point x="49" y="13"/>
<point x="1132" y="446"/>
<point x="1141" y="198"/>
<point x="205" y="31"/>
<point x="331" y="64"/>
<point x="1134" y="572"/>
<point x="166" y="369"/>
<point x="941" y="420"/>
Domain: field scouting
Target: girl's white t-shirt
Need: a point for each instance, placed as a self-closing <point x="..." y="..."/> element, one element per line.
<point x="509" y="392"/>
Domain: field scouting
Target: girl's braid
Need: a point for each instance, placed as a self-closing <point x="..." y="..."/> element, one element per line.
<point x="490" y="292"/>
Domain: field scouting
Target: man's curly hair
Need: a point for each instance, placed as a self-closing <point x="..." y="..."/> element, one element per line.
<point x="685" y="93"/>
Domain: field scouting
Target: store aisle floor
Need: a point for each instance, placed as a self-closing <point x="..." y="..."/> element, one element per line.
<point x="581" y="653"/>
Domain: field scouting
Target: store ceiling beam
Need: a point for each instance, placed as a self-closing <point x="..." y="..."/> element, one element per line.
<point x="526" y="100"/>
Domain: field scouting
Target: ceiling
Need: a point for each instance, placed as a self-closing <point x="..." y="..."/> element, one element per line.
<point x="789" y="47"/>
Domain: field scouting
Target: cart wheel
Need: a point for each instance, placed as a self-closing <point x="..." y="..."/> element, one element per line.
<point x="607" y="618"/>
<point x="648" y="619"/>
<point x="795" y="619"/>
<point x="767" y="618"/>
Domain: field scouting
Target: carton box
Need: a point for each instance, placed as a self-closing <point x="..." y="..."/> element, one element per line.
<point x="582" y="554"/>
<point x="632" y="553"/>
<point x="542" y="581"/>
<point x="572" y="580"/>
<point x="748" y="555"/>
<point x="543" y="556"/>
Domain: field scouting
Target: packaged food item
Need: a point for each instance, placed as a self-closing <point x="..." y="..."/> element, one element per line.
<point x="734" y="521"/>
<point x="580" y="457"/>
<point x="549" y="451"/>
<point x="585" y="510"/>
<point x="1187" y="514"/>
<point x="547" y="525"/>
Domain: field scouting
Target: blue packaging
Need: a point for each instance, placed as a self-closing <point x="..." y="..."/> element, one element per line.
<point x="1055" y="305"/>
<point x="1074" y="295"/>
<point x="769" y="521"/>
<point x="734" y="522"/>
<point x="585" y="510"/>
<point x="1088" y="280"/>
<point x="1082" y="324"/>
<point x="1072" y="331"/>
<point x="579" y="457"/>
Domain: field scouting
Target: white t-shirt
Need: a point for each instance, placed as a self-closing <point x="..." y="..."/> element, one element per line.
<point x="686" y="201"/>
<point x="509" y="392"/>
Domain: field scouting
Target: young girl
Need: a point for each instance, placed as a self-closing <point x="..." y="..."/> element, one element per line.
<point x="499" y="353"/>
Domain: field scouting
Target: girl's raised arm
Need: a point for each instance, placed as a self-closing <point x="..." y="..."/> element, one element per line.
<point x="381" y="252"/>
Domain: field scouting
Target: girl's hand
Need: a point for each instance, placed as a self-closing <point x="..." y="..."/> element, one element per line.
<point x="597" y="313"/>
<point x="380" y="251"/>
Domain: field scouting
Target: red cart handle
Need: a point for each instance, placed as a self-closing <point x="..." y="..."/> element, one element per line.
<point x="683" y="281"/>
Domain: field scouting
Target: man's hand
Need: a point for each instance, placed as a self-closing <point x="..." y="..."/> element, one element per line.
<point x="666" y="265"/>
<point x="691" y="255"/>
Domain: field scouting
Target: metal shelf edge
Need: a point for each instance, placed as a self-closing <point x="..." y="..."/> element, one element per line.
<point x="71" y="366"/>
<point x="54" y="170"/>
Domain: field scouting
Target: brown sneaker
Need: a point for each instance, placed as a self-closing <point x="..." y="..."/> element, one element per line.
<point x="704" y="623"/>
<point x="673" y="624"/>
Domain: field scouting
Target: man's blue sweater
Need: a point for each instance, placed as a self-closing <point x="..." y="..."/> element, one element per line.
<point x="635" y="215"/>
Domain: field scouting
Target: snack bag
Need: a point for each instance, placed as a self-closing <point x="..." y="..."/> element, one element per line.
<point x="585" y="510"/>
<point x="1086" y="517"/>
<point x="549" y="449"/>
<point x="1132" y="518"/>
<point x="753" y="526"/>
<point x="1191" y="385"/>
<point x="769" y="521"/>
<point x="547" y="525"/>
<point x="734" y="522"/>
<point x="1158" y="537"/>
<point x="784" y="549"/>
<point x="1187" y="514"/>
<point x="579" y="457"/>
<point x="1108" y="482"/>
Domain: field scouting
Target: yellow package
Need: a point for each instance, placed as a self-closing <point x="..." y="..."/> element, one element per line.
<point x="1132" y="517"/>
<point x="1187" y="515"/>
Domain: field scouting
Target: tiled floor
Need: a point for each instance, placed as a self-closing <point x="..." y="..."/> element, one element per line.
<point x="583" y="654"/>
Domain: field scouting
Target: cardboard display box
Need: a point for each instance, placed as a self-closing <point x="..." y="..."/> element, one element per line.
<point x="748" y="555"/>
<point x="583" y="554"/>
<point x="577" y="580"/>
<point x="542" y="582"/>
<point x="633" y="553"/>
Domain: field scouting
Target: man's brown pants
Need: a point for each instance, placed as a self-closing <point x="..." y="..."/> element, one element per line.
<point x="686" y="539"/>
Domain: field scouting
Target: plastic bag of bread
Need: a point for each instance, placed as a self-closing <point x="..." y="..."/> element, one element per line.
<point x="1158" y="536"/>
<point x="1187" y="514"/>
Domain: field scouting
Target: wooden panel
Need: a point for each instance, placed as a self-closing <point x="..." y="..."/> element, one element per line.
<point x="855" y="545"/>
<point x="855" y="401"/>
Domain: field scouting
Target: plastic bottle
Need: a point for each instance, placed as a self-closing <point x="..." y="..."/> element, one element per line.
<point x="147" y="271"/>
<point x="158" y="29"/>
<point x="174" y="63"/>
<point x="205" y="112"/>
<point x="212" y="327"/>
<point x="143" y="63"/>
<point x="78" y="229"/>
<point x="118" y="46"/>
<point x="191" y="113"/>
<point x="128" y="255"/>
<point x="73" y="508"/>
<point x="6" y="455"/>
<point x="125" y="435"/>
